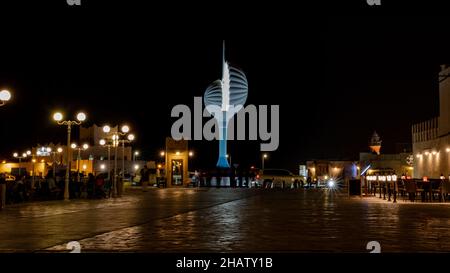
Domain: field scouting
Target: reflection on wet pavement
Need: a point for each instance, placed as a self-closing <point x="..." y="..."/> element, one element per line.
<point x="227" y="220"/>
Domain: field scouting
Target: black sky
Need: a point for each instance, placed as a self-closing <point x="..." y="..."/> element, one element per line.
<point x="336" y="79"/>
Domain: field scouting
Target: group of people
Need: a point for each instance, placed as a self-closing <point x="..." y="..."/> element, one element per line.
<point x="25" y="187"/>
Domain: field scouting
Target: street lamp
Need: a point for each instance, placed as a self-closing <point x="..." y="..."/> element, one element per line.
<point x="58" y="117"/>
<point x="5" y="96"/>
<point x="16" y="155"/>
<point x="228" y="156"/>
<point x="107" y="144"/>
<point x="75" y="147"/>
<point x="33" y="178"/>
<point x="129" y="139"/>
<point x="264" y="156"/>
<point x="125" y="129"/>
<point x="59" y="150"/>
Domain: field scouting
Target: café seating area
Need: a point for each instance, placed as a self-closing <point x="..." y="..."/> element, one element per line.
<point x="411" y="190"/>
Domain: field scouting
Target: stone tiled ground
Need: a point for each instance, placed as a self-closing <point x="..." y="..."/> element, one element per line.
<point x="226" y="220"/>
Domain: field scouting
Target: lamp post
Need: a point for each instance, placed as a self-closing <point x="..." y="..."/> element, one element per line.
<point x="75" y="147"/>
<point x="58" y="151"/>
<point x="5" y="96"/>
<point x="394" y="178"/>
<point x="129" y="139"/>
<point x="264" y="156"/>
<point x="16" y="155"/>
<point x="103" y="142"/>
<point x="115" y="143"/>
<point x="227" y="156"/>
<point x="124" y="131"/>
<point x="34" y="165"/>
<point x="58" y="117"/>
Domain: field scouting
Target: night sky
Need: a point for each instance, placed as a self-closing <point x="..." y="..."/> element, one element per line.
<point x="336" y="79"/>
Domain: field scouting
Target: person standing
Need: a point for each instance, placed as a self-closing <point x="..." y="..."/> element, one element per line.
<point x="2" y="190"/>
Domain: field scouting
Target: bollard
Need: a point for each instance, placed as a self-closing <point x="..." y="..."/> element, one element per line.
<point x="379" y="186"/>
<point x="389" y="192"/>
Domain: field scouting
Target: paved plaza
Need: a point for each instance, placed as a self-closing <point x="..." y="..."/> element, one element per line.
<point x="226" y="220"/>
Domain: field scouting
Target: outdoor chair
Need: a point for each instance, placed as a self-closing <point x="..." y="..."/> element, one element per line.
<point x="436" y="188"/>
<point x="445" y="189"/>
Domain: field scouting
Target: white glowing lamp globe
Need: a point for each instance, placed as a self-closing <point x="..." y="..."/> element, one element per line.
<point x="85" y="146"/>
<point x="49" y="150"/>
<point x="73" y="145"/>
<point x="125" y="129"/>
<point x="81" y="116"/>
<point x="106" y="129"/>
<point x="102" y="142"/>
<point x="5" y="95"/>
<point x="130" y="137"/>
<point x="15" y="154"/>
<point x="57" y="116"/>
<point x="60" y="150"/>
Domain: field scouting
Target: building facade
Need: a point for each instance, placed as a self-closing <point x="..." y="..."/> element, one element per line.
<point x="431" y="138"/>
<point x="398" y="164"/>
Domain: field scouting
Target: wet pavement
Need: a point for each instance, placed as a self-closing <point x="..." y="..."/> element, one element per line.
<point x="226" y="220"/>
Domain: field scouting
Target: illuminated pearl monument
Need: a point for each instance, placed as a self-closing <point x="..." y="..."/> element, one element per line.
<point x="223" y="98"/>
